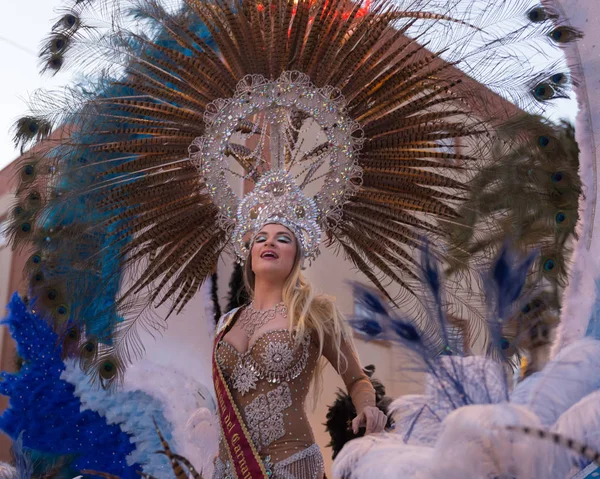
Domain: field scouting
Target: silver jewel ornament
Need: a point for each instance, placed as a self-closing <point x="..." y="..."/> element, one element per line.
<point x="253" y="319"/>
<point x="278" y="357"/>
<point x="279" y="113"/>
<point x="244" y="377"/>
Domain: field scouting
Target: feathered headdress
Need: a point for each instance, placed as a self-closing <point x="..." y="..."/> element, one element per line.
<point x="339" y="119"/>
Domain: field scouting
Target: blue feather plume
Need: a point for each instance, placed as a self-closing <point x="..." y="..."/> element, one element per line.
<point x="44" y="410"/>
<point x="503" y="286"/>
<point x="433" y="341"/>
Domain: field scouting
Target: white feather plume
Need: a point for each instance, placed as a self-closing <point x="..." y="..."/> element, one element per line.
<point x="7" y="471"/>
<point x="385" y="453"/>
<point x="415" y="420"/>
<point x="182" y="397"/>
<point x="203" y="432"/>
<point x="580" y="422"/>
<point x="465" y="380"/>
<point x="570" y="376"/>
<point x="475" y="444"/>
<point x="472" y="441"/>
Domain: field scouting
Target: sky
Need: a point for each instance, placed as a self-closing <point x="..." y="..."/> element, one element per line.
<point x="23" y="25"/>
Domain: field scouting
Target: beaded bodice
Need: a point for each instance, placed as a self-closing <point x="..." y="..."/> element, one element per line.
<point x="269" y="384"/>
<point x="272" y="357"/>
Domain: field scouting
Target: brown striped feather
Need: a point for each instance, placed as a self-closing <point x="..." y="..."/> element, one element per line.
<point x="407" y="201"/>
<point x="377" y="255"/>
<point x="361" y="264"/>
<point x="395" y="213"/>
<point x="399" y="174"/>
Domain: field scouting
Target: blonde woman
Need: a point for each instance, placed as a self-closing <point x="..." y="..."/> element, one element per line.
<point x="266" y="356"/>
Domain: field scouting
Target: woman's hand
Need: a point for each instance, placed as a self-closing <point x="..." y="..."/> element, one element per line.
<point x="372" y="418"/>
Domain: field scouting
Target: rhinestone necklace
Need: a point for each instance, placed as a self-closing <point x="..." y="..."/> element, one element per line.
<point x="252" y="319"/>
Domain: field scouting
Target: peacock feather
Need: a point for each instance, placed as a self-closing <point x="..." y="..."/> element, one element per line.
<point x="529" y="193"/>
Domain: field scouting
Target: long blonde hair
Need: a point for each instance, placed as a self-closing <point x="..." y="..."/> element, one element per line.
<point x="307" y="312"/>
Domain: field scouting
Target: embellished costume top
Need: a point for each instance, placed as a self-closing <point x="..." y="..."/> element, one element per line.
<point x="269" y="384"/>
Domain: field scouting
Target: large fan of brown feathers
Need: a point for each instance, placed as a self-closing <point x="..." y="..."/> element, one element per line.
<point x="125" y="155"/>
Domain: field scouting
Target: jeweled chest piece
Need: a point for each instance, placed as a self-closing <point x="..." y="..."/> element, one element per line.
<point x="251" y="319"/>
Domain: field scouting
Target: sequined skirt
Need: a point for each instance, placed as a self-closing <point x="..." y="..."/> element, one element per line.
<point x="306" y="464"/>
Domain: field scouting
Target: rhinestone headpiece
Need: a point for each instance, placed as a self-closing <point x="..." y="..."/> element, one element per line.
<point x="277" y="199"/>
<point x="312" y="144"/>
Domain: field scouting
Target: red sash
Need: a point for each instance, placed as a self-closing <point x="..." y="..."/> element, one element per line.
<point x="244" y="458"/>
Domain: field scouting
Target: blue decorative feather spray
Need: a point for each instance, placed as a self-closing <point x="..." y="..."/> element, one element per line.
<point x="434" y="343"/>
<point x="44" y="409"/>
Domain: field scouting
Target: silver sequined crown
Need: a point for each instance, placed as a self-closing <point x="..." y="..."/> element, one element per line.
<point x="276" y="198"/>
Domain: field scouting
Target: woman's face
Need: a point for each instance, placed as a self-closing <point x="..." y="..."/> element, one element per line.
<point x="273" y="252"/>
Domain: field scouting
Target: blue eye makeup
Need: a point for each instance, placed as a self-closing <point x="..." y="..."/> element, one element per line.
<point x="261" y="238"/>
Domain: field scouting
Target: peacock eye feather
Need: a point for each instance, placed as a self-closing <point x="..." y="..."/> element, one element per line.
<point x="559" y="78"/>
<point x="108" y="370"/>
<point x="70" y="20"/>
<point x="560" y="217"/>
<point x="62" y="310"/>
<point x="549" y="265"/>
<point x="544" y="91"/>
<point x="557" y="177"/>
<point x="406" y="331"/>
<point x="543" y="141"/>
<point x="565" y="34"/>
<point x="537" y="15"/>
<point x="58" y="44"/>
<point x="26" y="227"/>
<point x="29" y="128"/>
<point x="88" y="350"/>
<point x="56" y="62"/>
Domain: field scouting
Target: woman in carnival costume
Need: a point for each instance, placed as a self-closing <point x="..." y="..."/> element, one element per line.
<point x="255" y="127"/>
<point x="262" y="373"/>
